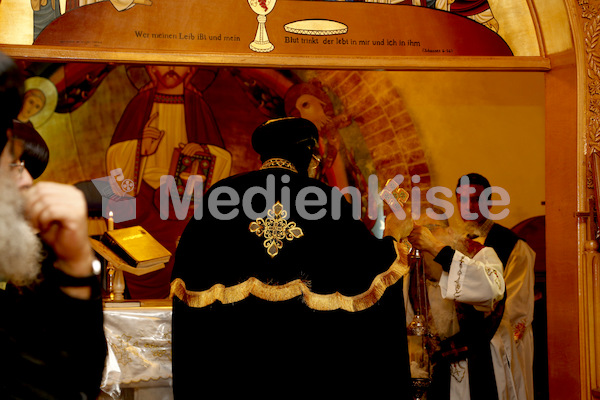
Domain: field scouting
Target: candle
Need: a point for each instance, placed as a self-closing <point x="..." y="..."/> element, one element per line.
<point x="111" y="221"/>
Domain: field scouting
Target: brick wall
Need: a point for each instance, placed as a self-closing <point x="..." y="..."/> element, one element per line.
<point x="388" y="130"/>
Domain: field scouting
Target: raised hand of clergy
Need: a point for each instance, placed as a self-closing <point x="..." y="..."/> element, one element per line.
<point x="422" y="238"/>
<point x="151" y="136"/>
<point x="59" y="212"/>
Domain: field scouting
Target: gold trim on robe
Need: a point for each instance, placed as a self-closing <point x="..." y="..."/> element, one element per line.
<point x="295" y="288"/>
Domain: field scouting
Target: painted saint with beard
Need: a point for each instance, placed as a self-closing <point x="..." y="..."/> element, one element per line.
<point x="168" y="119"/>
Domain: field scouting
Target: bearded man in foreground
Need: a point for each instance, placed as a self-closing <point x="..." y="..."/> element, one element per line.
<point x="51" y="325"/>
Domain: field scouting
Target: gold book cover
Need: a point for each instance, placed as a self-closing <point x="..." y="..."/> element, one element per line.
<point x="136" y="246"/>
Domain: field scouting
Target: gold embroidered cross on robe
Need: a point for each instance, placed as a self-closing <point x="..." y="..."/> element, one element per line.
<point x="275" y="228"/>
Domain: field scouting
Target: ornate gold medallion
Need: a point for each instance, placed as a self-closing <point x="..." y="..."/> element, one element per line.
<point x="279" y="163"/>
<point x="275" y="228"/>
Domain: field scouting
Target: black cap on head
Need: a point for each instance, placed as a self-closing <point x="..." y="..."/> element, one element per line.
<point x="35" y="150"/>
<point x="290" y="138"/>
<point x="11" y="90"/>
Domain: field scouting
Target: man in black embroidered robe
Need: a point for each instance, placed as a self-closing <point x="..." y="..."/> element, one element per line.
<point x="278" y="291"/>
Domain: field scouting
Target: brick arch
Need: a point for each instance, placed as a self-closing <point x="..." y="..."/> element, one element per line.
<point x="387" y="127"/>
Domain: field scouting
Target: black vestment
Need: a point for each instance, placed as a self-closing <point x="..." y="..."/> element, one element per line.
<point x="285" y="348"/>
<point x="53" y="345"/>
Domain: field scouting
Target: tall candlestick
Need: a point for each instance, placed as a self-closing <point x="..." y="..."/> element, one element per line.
<point x="111" y="221"/>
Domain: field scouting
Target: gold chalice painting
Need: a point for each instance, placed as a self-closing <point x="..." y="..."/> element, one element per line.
<point x="261" y="43"/>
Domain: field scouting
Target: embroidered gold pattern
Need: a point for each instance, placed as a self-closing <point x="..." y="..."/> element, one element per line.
<point x="493" y="274"/>
<point x="458" y="371"/>
<point x="458" y="274"/>
<point x="279" y="163"/>
<point x="519" y="330"/>
<point x="275" y="229"/>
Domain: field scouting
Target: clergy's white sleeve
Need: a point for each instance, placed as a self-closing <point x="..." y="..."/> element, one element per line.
<point x="476" y="281"/>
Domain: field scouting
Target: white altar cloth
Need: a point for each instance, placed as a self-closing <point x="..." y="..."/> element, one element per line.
<point x="139" y="349"/>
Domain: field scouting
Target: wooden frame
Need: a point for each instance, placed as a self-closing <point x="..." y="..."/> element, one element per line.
<point x="409" y="37"/>
<point x="466" y="63"/>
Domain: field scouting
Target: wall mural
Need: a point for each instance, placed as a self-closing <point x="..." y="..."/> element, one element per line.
<point x="128" y="125"/>
<point x="114" y="130"/>
<point x="44" y="12"/>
